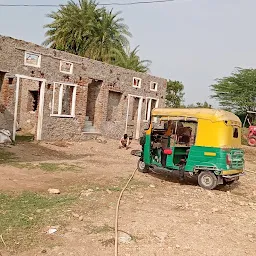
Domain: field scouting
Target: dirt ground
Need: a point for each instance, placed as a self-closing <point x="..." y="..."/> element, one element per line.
<point x="160" y="216"/>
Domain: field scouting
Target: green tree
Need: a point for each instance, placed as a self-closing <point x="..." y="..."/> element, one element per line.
<point x="84" y="29"/>
<point x="130" y="60"/>
<point x="72" y="26"/>
<point x="174" y="94"/>
<point x="200" y="105"/>
<point x="108" y="34"/>
<point x="236" y="93"/>
<point x="89" y="31"/>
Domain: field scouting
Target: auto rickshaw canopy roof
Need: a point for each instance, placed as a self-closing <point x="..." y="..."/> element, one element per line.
<point x="214" y="115"/>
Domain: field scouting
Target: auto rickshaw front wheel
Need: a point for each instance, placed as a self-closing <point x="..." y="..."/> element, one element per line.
<point x="207" y="180"/>
<point x="142" y="167"/>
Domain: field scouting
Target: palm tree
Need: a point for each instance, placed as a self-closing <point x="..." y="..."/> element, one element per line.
<point x="130" y="60"/>
<point x="83" y="29"/>
<point x="109" y="34"/>
<point x="71" y="26"/>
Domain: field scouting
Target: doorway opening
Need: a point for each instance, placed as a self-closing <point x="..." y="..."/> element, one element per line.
<point x="94" y="107"/>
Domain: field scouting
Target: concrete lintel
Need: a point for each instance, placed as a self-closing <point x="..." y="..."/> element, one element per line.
<point x="31" y="78"/>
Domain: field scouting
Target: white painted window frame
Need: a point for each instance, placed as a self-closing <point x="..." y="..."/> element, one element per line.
<point x="31" y="65"/>
<point x="140" y="82"/>
<point x="73" y="107"/>
<point x="71" y="69"/>
<point x="153" y="90"/>
<point x="147" y="110"/>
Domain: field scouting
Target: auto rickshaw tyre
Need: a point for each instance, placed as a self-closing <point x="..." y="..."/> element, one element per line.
<point x="142" y="167"/>
<point x="252" y="141"/>
<point x="207" y="180"/>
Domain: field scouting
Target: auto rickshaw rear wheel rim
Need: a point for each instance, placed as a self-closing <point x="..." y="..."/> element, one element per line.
<point x="207" y="180"/>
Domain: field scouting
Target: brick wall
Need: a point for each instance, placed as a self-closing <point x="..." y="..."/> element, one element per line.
<point x="85" y="72"/>
<point x="6" y="102"/>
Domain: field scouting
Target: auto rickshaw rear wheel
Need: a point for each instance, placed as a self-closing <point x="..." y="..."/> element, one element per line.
<point x="207" y="180"/>
<point x="142" y="167"/>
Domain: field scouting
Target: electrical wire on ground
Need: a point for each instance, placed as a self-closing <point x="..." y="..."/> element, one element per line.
<point x="117" y="211"/>
<point x="106" y="4"/>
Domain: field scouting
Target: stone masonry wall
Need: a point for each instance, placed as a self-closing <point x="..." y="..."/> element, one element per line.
<point x="85" y="71"/>
<point x="27" y="118"/>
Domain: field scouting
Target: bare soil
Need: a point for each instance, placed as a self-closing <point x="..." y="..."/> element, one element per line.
<point x="161" y="216"/>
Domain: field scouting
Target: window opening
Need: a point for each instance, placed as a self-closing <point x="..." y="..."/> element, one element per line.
<point x="63" y="102"/>
<point x="66" y="67"/>
<point x="137" y="82"/>
<point x="32" y="59"/>
<point x="153" y="86"/>
<point x="10" y="80"/>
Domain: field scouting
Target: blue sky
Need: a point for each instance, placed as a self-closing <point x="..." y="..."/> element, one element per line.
<point x="194" y="41"/>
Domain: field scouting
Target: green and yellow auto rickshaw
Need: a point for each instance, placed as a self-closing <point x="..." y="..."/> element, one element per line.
<point x="202" y="142"/>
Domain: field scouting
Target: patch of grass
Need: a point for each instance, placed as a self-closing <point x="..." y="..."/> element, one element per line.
<point x="135" y="238"/>
<point x="7" y="157"/>
<point x="109" y="242"/>
<point x="53" y="167"/>
<point x="19" y="165"/>
<point x="24" y="138"/>
<point x="22" y="216"/>
<point x="100" y="229"/>
<point x="49" y="167"/>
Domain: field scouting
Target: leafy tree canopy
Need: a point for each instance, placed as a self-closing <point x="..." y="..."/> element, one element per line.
<point x="174" y="94"/>
<point x="130" y="59"/>
<point x="200" y="105"/>
<point x="89" y="31"/>
<point x="236" y="93"/>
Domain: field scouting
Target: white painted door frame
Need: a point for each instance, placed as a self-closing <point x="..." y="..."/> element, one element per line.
<point x="41" y="105"/>
<point x="137" y="133"/>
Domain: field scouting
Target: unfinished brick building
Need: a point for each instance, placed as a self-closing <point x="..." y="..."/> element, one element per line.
<point x="55" y="95"/>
